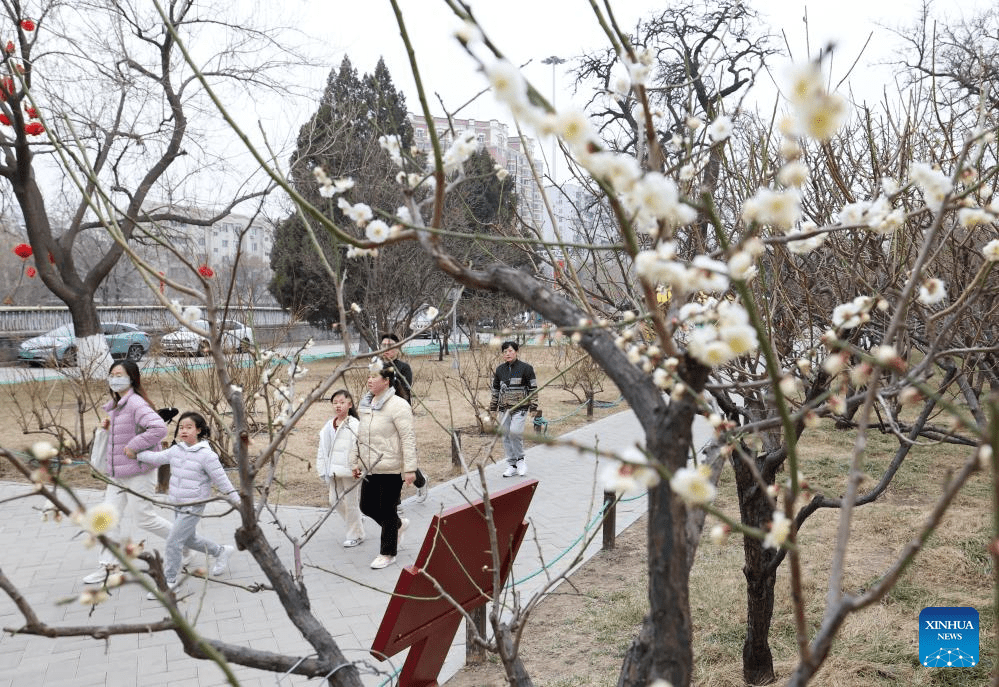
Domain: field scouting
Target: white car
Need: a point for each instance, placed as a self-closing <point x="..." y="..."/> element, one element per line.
<point x="236" y="337"/>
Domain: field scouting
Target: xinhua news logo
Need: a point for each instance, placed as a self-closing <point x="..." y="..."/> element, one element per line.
<point x="948" y="637"/>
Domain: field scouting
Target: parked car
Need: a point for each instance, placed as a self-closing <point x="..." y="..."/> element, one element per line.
<point x="235" y="337"/>
<point x="58" y="347"/>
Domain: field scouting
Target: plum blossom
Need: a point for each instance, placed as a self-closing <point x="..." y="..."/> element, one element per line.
<point x="507" y="83"/>
<point x="932" y="291"/>
<point x="776" y="208"/>
<point x="852" y="314"/>
<point x="573" y="127"/>
<point x="100" y="518"/>
<point x="805" y="244"/>
<point x="780" y="528"/>
<point x="706" y="274"/>
<point x="359" y="214"/>
<point x="991" y="250"/>
<point x="377" y="231"/>
<point x="741" y="266"/>
<point x="693" y="485"/>
<point x="462" y="148"/>
<point x="934" y="183"/>
<point x="972" y="217"/>
<point x="43" y="450"/>
<point x="468" y="33"/>
<point x="391" y="144"/>
<point x="620" y="171"/>
<point x="794" y="173"/>
<point x="656" y="196"/>
<point x="720" y="129"/>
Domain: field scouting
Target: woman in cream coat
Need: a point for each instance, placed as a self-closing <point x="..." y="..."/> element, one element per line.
<point x="337" y="440"/>
<point x="386" y="457"/>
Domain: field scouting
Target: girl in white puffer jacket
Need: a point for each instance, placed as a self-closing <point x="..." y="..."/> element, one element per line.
<point x="336" y="443"/>
<point x="194" y="467"/>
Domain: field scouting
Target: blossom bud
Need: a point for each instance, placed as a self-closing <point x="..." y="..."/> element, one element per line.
<point x="719" y="534"/>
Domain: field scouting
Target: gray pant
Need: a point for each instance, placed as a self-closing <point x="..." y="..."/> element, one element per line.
<point x="512" y="427"/>
<point x="184" y="535"/>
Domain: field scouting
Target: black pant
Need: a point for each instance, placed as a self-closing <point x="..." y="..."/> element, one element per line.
<point x="379" y="496"/>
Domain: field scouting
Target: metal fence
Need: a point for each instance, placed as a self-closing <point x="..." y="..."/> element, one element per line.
<point x="37" y="320"/>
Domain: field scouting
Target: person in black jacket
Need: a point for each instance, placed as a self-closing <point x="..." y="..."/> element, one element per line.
<point x="390" y="342"/>
<point x="515" y="391"/>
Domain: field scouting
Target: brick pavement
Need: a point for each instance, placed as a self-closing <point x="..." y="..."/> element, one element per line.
<point x="46" y="560"/>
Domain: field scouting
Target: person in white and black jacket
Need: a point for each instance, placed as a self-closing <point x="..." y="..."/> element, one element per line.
<point x="515" y="392"/>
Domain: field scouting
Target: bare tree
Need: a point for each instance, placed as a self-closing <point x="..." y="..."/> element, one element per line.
<point x="112" y="111"/>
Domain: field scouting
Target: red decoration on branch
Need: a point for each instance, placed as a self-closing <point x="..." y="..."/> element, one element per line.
<point x="9" y="47"/>
<point x="31" y="273"/>
<point x="31" y="112"/>
<point x="27" y="25"/>
<point x="5" y="120"/>
<point x="7" y="82"/>
<point x="51" y="258"/>
<point x="34" y="129"/>
<point x="206" y="271"/>
<point x="23" y="251"/>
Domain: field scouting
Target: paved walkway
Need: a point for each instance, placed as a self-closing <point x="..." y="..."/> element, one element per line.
<point x="46" y="561"/>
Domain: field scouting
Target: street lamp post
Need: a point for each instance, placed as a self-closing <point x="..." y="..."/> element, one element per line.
<point x="554" y="61"/>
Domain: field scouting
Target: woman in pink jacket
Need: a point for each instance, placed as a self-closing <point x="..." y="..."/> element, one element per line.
<point x="132" y="422"/>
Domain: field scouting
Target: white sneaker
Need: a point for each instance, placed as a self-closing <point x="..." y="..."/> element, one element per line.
<point x="351" y="543"/>
<point x="222" y="561"/>
<point x="510" y="471"/>
<point x="402" y="530"/>
<point x="151" y="596"/>
<point x="522" y="467"/>
<point x="99" y="575"/>
<point x="382" y="562"/>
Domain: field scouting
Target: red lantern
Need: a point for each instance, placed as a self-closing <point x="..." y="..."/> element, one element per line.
<point x="27" y="25"/>
<point x="34" y="129"/>
<point x="23" y="251"/>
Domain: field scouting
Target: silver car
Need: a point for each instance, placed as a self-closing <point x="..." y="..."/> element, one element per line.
<point x="236" y="337"/>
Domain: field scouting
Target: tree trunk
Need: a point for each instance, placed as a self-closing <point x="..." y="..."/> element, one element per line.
<point x="756" y="511"/>
<point x="589" y="406"/>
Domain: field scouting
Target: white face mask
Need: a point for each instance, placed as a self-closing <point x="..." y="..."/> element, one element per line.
<point x="119" y="384"/>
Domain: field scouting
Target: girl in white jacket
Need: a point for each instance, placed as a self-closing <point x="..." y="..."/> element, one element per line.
<point x="336" y="443"/>
<point x="194" y="467"/>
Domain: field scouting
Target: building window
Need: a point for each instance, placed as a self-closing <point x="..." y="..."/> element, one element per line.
<point x="225" y="244"/>
<point x="201" y="241"/>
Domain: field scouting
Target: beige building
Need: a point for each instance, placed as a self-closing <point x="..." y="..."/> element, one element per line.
<point x="515" y="153"/>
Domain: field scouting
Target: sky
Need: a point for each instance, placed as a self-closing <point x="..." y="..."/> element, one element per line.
<point x="529" y="31"/>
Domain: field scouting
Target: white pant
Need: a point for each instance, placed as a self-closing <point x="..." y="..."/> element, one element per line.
<point x="512" y="427"/>
<point x="134" y="511"/>
<point x="345" y="496"/>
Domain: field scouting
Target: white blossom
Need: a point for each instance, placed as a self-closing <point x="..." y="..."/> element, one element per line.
<point x="991" y="250"/>
<point x="777" y="208"/>
<point x="780" y="528"/>
<point x="359" y="214"/>
<point x="693" y="485"/>
<point x="377" y="231"/>
<point x="932" y="291"/>
<point x="934" y="183"/>
<point x="720" y="129"/>
<point x="507" y="83"/>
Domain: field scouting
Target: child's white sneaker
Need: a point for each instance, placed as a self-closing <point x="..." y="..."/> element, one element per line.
<point x="222" y="562"/>
<point x="172" y="585"/>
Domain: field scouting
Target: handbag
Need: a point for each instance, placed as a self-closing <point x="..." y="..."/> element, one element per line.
<point x="99" y="450"/>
